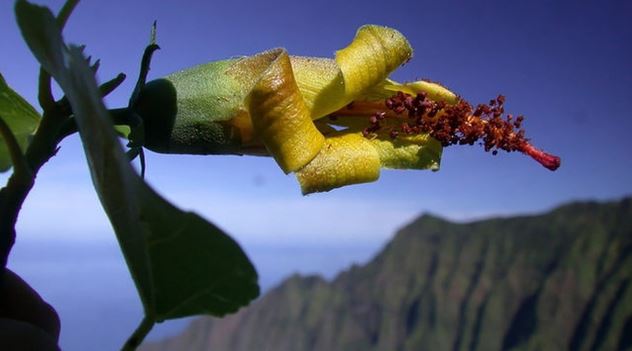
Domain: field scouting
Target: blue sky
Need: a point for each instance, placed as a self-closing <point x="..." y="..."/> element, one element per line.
<point x="565" y="65"/>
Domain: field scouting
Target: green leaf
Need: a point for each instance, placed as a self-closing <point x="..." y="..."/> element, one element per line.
<point x="182" y="265"/>
<point x="21" y="118"/>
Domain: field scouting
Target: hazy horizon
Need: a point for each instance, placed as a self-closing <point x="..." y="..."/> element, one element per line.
<point x="90" y="287"/>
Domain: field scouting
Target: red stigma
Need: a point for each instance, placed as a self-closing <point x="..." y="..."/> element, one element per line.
<point x="547" y="160"/>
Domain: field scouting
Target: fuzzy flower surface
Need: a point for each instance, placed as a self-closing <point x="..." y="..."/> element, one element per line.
<point x="330" y="121"/>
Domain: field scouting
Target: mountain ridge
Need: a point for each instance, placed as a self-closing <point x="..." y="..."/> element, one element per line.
<point x="557" y="280"/>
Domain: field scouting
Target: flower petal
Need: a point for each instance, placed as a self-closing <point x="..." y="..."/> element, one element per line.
<point x="434" y="91"/>
<point x="415" y="151"/>
<point x="328" y="85"/>
<point x="280" y="117"/>
<point x="345" y="159"/>
<point x="419" y="151"/>
<point x="374" y="53"/>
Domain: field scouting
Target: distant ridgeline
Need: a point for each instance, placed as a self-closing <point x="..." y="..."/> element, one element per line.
<point x="558" y="281"/>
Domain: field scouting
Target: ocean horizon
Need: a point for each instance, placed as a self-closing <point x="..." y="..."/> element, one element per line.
<point x="88" y="283"/>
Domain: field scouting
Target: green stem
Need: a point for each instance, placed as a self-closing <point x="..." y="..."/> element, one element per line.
<point x="139" y="334"/>
<point x="45" y="95"/>
<point x="12" y="196"/>
<point x="120" y="116"/>
<point x="106" y="88"/>
<point x="64" y="13"/>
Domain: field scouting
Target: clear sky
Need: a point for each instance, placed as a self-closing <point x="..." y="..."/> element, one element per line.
<point x="565" y="65"/>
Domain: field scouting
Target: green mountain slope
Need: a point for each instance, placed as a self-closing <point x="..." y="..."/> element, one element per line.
<point x="555" y="281"/>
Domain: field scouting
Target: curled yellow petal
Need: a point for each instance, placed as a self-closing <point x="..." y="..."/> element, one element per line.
<point x="328" y="85"/>
<point x="434" y="91"/>
<point x="280" y="118"/>
<point x="414" y="151"/>
<point x="418" y="151"/>
<point x="321" y="83"/>
<point x="372" y="55"/>
<point x="344" y="159"/>
<point x="294" y="90"/>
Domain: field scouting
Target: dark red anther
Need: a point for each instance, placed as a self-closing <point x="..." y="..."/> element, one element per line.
<point x="460" y="124"/>
<point x="408" y="102"/>
<point x="406" y="128"/>
<point x="399" y="109"/>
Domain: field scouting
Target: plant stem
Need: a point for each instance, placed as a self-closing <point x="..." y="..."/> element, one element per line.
<point x="12" y="196"/>
<point x="43" y="146"/>
<point x="64" y="13"/>
<point x="140" y="333"/>
<point x="45" y="94"/>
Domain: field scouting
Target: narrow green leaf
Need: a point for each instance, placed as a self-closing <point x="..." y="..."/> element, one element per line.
<point x="21" y="118"/>
<point x="182" y="265"/>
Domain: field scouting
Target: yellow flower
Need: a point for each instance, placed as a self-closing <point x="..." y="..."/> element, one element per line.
<point x="323" y="119"/>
